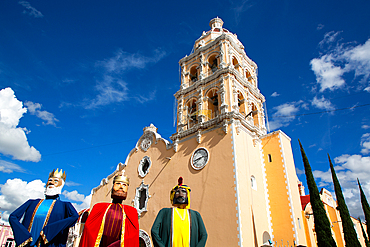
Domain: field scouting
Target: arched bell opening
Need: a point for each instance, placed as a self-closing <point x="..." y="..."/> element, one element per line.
<point x="192" y="117"/>
<point x="213" y="64"/>
<point x="193" y="75"/>
<point x="241" y="104"/>
<point x="212" y="104"/>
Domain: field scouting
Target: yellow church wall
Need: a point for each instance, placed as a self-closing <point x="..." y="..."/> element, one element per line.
<point x="334" y="224"/>
<point x="306" y="229"/>
<point x="252" y="203"/>
<point x="278" y="194"/>
<point x="213" y="188"/>
<point x="293" y="189"/>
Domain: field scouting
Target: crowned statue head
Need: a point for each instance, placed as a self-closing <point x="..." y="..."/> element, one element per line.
<point x="120" y="187"/>
<point x="55" y="182"/>
<point x="180" y="195"/>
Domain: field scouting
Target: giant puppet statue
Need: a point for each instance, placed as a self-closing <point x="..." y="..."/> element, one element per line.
<point x="179" y="226"/>
<point x="112" y="224"/>
<point x="45" y="221"/>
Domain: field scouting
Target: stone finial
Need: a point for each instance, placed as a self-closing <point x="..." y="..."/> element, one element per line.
<point x="151" y="128"/>
<point x="216" y="23"/>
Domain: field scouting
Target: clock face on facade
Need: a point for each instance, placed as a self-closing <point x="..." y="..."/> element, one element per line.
<point x="200" y="158"/>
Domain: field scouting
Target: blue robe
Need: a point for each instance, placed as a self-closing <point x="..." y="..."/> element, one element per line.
<point x="55" y="232"/>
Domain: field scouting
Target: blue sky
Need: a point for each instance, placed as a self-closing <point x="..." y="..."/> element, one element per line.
<point x="80" y="80"/>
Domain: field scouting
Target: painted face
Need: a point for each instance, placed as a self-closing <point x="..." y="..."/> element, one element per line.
<point x="180" y="197"/>
<point x="54" y="182"/>
<point x="54" y="186"/>
<point x="119" y="190"/>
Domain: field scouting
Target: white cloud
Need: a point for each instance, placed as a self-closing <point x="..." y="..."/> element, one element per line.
<point x="322" y="103"/>
<point x="13" y="139"/>
<point x="239" y="8"/>
<point x="329" y="39"/>
<point x="341" y="59"/>
<point x="8" y="167"/>
<point x="34" y="109"/>
<point x="299" y="171"/>
<point x="111" y="88"/>
<point x="348" y="168"/>
<point x="365" y="126"/>
<point x="365" y="143"/>
<point x="71" y="183"/>
<point x="85" y="203"/>
<point x="15" y="192"/>
<point x="284" y="114"/>
<point x="123" y="61"/>
<point x="327" y="74"/>
<point x="74" y="196"/>
<point x="31" y="11"/>
<point x="320" y="26"/>
<point x="274" y="94"/>
<point x="358" y="60"/>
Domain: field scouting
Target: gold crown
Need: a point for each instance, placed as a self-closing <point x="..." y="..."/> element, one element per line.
<point x="121" y="178"/>
<point x="58" y="174"/>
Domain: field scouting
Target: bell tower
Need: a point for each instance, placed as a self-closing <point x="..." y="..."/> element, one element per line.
<point x="218" y="86"/>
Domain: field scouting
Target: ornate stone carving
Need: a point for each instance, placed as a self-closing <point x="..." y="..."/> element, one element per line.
<point x="199" y="136"/>
<point x="145" y="237"/>
<point x="176" y="145"/>
<point x="141" y="198"/>
<point x="224" y="126"/>
<point x="146" y="142"/>
<point x="144" y="166"/>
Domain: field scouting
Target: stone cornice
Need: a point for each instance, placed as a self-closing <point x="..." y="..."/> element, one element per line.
<point x="224" y="36"/>
<point x="217" y="121"/>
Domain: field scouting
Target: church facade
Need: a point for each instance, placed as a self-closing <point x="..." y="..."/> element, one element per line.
<point x="242" y="178"/>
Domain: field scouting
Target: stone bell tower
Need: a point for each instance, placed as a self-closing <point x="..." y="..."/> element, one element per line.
<point x="218" y="86"/>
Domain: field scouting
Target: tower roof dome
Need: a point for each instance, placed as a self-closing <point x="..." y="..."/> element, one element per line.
<point x="216" y="23"/>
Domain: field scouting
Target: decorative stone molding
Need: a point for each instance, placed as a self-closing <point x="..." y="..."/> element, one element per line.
<point x="145" y="237"/>
<point x="224" y="126"/>
<point x="144" y="166"/>
<point x="199" y="136"/>
<point x="237" y="126"/>
<point x="146" y="141"/>
<point x="176" y="145"/>
<point x="141" y="198"/>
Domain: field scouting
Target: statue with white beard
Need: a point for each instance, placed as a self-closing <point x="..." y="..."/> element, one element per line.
<point x="45" y="221"/>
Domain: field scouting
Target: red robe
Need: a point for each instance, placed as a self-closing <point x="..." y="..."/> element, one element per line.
<point x="94" y="226"/>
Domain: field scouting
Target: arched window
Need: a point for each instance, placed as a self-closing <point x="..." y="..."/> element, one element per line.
<point x="212" y="104"/>
<point x="235" y="62"/>
<point x="191" y="113"/>
<point x="241" y="104"/>
<point x="144" y="166"/>
<point x="213" y="64"/>
<point x="255" y="115"/>
<point x="141" y="198"/>
<point x="247" y="74"/>
<point x="236" y="65"/>
<point x="249" y="77"/>
<point x="193" y="75"/>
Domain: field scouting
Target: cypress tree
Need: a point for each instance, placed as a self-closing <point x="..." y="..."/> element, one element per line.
<point x="364" y="233"/>
<point x="365" y="208"/>
<point x="322" y="224"/>
<point x="350" y="235"/>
